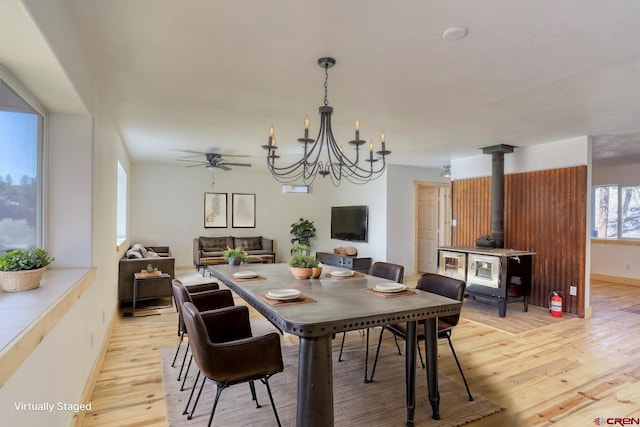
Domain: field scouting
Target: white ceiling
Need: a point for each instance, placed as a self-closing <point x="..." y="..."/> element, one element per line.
<point x="214" y="75"/>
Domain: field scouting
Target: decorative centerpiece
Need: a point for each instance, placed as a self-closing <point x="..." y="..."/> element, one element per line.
<point x="235" y="256"/>
<point x="302" y="266"/>
<point x="21" y="269"/>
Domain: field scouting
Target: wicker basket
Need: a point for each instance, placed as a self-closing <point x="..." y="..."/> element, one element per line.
<point x="16" y="281"/>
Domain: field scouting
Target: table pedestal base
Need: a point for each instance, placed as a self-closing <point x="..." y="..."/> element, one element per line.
<point x="315" y="382"/>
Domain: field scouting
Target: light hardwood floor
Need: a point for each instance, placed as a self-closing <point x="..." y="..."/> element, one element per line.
<point x="542" y="370"/>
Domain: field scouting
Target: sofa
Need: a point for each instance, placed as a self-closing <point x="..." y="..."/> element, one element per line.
<point x="136" y="259"/>
<point x="213" y="247"/>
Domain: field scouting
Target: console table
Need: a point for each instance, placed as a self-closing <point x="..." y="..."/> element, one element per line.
<point x="354" y="263"/>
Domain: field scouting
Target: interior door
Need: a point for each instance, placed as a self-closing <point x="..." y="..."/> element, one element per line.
<point x="427" y="229"/>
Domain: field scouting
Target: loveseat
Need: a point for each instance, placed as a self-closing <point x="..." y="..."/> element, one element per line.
<point x="136" y="259"/>
<point x="213" y="247"/>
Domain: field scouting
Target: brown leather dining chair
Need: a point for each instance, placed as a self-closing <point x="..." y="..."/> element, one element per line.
<point x="385" y="270"/>
<point x="181" y="329"/>
<point x="206" y="297"/>
<point x="227" y="353"/>
<point x="441" y="285"/>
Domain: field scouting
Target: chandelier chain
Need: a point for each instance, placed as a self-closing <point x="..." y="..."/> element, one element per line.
<point x="326" y="85"/>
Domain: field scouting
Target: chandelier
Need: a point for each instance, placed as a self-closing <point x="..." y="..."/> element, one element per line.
<point x="323" y="155"/>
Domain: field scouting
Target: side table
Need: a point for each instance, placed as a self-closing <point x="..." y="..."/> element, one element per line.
<point x="141" y="279"/>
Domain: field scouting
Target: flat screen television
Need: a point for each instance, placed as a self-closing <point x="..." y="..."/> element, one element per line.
<point x="349" y="223"/>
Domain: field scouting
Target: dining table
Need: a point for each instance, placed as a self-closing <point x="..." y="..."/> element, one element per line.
<point x="340" y="300"/>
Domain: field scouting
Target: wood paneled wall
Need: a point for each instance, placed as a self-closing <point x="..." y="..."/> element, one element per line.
<point x="545" y="212"/>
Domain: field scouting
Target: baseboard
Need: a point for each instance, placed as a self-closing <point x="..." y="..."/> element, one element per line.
<point x="615" y="279"/>
<point x="78" y="418"/>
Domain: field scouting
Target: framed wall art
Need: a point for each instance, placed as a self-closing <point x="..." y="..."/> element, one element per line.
<point x="243" y="210"/>
<point x="215" y="210"/>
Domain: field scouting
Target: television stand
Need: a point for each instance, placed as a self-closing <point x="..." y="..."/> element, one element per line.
<point x="351" y="262"/>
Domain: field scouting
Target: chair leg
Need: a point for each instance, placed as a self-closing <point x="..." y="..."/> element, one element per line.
<point x="273" y="405"/>
<point x="193" y="388"/>
<point x="254" y="396"/>
<point x="395" y="338"/>
<point x="184" y="359"/>
<point x="420" y="355"/>
<point x="375" y="361"/>
<point x="215" y="402"/>
<point x="455" y="356"/>
<point x="186" y="373"/>
<point x="344" y="334"/>
<point x="173" y="363"/>
<point x="204" y="379"/>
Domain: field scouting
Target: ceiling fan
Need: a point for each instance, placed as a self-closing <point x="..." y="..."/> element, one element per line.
<point x="215" y="161"/>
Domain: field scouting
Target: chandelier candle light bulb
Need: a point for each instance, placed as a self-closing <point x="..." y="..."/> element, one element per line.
<point x="330" y="161"/>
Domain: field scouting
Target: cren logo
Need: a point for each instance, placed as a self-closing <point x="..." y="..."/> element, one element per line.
<point x="626" y="421"/>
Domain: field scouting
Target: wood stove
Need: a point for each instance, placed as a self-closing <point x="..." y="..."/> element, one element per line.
<point x="497" y="274"/>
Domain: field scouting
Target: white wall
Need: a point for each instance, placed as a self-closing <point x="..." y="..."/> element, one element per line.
<point x="81" y="228"/>
<point x="614" y="259"/>
<point x="552" y="155"/>
<point x="401" y="212"/>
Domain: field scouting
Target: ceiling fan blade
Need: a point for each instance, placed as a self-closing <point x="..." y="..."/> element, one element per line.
<point x="237" y="164"/>
<point x="192" y="161"/>
<point x="234" y="155"/>
<point x="223" y="167"/>
<point x="196" y="165"/>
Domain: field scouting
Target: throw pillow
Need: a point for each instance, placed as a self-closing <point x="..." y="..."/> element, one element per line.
<point x="133" y="254"/>
<point x="249" y="243"/>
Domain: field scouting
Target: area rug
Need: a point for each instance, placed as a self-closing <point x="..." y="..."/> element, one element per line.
<point x="381" y="403"/>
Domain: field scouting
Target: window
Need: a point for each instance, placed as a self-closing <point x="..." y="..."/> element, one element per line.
<point x="616" y="212"/>
<point x="21" y="141"/>
<point x="121" y="206"/>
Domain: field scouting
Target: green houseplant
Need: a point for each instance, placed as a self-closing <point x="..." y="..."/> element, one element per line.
<point x="302" y="266"/>
<point x="302" y="231"/>
<point x="21" y="269"/>
<point x="235" y="256"/>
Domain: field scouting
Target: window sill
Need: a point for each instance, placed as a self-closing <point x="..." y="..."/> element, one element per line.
<point x="27" y="317"/>
<point x="616" y="242"/>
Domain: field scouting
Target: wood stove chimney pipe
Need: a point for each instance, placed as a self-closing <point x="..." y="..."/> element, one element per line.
<point x="497" y="191"/>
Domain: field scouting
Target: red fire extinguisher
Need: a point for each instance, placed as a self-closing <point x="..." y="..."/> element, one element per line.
<point x="556" y="305"/>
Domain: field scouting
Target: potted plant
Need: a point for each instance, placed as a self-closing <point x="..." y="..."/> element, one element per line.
<point x="235" y="256"/>
<point x="21" y="269"/>
<point x="303" y="230"/>
<point x="302" y="266"/>
<point x="300" y="249"/>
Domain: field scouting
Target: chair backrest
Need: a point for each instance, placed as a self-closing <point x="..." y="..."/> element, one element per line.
<point x="387" y="270"/>
<point x="447" y="287"/>
<point x="176" y="285"/>
<point x="198" y="338"/>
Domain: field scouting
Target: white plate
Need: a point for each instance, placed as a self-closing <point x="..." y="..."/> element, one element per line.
<point x="283" y="294"/>
<point x="342" y="273"/>
<point x="245" y="274"/>
<point x="390" y="287"/>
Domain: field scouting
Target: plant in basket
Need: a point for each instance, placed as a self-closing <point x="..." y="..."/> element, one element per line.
<point x="21" y="269"/>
